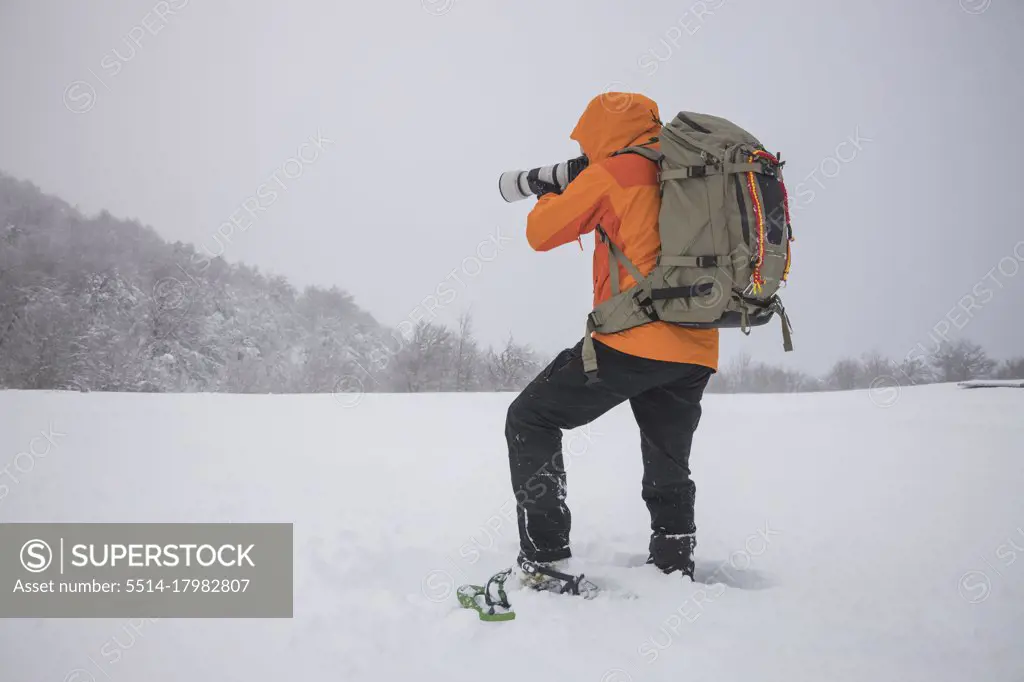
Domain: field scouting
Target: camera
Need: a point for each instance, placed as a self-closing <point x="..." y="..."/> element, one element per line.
<point x="515" y="185"/>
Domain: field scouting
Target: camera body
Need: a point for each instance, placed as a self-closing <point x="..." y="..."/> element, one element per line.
<point x="515" y="185"/>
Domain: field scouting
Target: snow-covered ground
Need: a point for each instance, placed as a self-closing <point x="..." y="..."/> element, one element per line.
<point x="850" y="542"/>
<point x="992" y="383"/>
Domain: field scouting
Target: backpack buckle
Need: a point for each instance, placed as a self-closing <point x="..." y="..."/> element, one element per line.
<point x="645" y="303"/>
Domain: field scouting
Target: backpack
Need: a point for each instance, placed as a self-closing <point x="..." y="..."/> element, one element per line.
<point x="725" y="237"/>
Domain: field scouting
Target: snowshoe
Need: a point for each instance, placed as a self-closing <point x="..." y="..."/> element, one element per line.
<point x="490" y="600"/>
<point x="550" y="577"/>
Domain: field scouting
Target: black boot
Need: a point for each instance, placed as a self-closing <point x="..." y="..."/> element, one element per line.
<point x="673" y="553"/>
<point x="535" y="575"/>
<point x="550" y="576"/>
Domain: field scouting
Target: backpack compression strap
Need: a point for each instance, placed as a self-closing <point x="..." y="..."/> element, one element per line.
<point x="616" y="258"/>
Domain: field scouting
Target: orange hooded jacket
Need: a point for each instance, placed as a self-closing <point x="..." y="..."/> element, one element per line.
<point x="620" y="194"/>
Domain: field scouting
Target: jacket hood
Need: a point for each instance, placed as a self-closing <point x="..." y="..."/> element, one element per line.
<point x="614" y="120"/>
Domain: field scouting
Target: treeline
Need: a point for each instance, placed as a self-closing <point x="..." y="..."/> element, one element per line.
<point x="959" y="360"/>
<point x="102" y="304"/>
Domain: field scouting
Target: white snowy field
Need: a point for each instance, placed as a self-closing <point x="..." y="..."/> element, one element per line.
<point x="852" y="542"/>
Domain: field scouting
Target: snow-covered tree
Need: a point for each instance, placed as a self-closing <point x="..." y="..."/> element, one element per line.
<point x="424" y="363"/>
<point x="845" y="375"/>
<point x="467" y="359"/>
<point x="1011" y="369"/>
<point x="961" y="361"/>
<point x="513" y="367"/>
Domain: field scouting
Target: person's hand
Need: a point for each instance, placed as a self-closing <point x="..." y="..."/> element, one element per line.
<point x="540" y="187"/>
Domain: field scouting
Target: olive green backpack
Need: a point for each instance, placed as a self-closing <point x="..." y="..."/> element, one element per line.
<point x="725" y="234"/>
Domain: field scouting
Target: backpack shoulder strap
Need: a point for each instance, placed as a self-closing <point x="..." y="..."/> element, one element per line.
<point x="644" y="151"/>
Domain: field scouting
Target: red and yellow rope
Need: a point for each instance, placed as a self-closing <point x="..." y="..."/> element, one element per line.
<point x="757" y="280"/>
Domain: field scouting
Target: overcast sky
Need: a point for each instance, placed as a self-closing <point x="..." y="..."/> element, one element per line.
<point x="178" y="113"/>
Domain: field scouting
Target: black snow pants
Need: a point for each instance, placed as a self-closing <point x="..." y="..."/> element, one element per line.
<point x="665" y="397"/>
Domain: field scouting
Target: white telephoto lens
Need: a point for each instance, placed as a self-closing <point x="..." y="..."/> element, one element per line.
<point x="547" y="174"/>
<point x="513" y="187"/>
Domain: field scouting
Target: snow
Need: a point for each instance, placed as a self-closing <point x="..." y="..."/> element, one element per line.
<point x="851" y="542"/>
<point x="992" y="383"/>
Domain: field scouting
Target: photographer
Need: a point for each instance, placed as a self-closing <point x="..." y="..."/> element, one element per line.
<point x="660" y="368"/>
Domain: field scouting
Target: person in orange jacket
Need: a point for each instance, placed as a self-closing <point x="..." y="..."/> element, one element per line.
<point x="660" y="368"/>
